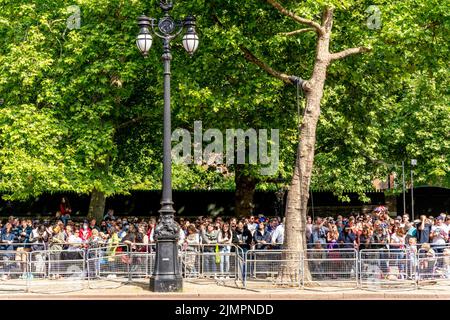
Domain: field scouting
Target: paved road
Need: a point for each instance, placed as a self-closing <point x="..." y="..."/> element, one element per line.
<point x="209" y="290"/>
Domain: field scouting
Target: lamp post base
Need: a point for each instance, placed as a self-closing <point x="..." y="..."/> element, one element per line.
<point x="164" y="283"/>
<point x="166" y="276"/>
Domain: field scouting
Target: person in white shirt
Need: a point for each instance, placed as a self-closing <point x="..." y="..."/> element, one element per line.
<point x="74" y="244"/>
<point x="397" y="248"/>
<point x="439" y="234"/>
<point x="278" y="235"/>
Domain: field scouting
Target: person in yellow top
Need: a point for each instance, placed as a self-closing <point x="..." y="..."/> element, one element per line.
<point x="113" y="244"/>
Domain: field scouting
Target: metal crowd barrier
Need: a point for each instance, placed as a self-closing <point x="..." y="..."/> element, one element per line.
<point x="108" y="267"/>
<point x="433" y="269"/>
<point x="263" y="268"/>
<point x="142" y="260"/>
<point x="114" y="265"/>
<point x="66" y="266"/>
<point x="384" y="269"/>
<point x="333" y="267"/>
<point x="218" y="261"/>
<point x="13" y="271"/>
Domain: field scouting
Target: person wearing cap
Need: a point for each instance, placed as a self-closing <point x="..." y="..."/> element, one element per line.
<point x="439" y="235"/>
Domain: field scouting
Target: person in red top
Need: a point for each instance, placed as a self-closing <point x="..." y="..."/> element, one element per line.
<point x="64" y="206"/>
<point x="85" y="232"/>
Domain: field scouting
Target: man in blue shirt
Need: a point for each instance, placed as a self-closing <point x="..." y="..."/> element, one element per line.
<point x="319" y="232"/>
<point x="423" y="230"/>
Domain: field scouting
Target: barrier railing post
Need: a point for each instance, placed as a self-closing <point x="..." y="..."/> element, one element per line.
<point x="244" y="271"/>
<point x="28" y="274"/>
<point x="302" y="271"/>
<point x="129" y="262"/>
<point x="356" y="269"/>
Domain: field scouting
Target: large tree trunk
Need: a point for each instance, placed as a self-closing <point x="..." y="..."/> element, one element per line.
<point x="298" y="195"/>
<point x="245" y="190"/>
<point x="97" y="205"/>
<point x="297" y="200"/>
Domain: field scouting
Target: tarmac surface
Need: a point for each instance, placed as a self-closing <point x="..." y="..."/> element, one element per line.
<point x="211" y="290"/>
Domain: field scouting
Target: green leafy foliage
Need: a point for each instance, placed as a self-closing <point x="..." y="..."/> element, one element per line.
<point x="83" y="110"/>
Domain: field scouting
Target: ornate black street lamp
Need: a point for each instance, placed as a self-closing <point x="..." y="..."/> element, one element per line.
<point x="166" y="276"/>
<point x="413" y="164"/>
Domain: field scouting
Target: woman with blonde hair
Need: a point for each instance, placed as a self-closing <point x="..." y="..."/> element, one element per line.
<point x="333" y="255"/>
<point x="332" y="236"/>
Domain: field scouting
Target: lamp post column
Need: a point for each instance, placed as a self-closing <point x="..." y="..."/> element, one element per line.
<point x="404" y="187"/>
<point x="413" y="164"/>
<point x="412" y="196"/>
<point x="166" y="276"/>
<point x="166" y="201"/>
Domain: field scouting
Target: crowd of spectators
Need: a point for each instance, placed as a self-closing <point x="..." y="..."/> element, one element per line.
<point x="378" y="230"/>
<point x="362" y="231"/>
<point x="218" y="237"/>
<point x="62" y="232"/>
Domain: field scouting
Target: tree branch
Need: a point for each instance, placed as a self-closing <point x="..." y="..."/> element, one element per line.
<point x="297" y="18"/>
<point x="347" y="52"/>
<point x="327" y="19"/>
<point x="376" y="161"/>
<point x="251" y="58"/>
<point x="292" y="33"/>
<point x="129" y="122"/>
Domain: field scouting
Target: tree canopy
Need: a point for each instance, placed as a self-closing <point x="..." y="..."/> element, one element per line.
<point x="83" y="110"/>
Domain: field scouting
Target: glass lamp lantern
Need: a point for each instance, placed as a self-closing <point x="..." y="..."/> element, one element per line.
<point x="144" y="39"/>
<point x="190" y="38"/>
